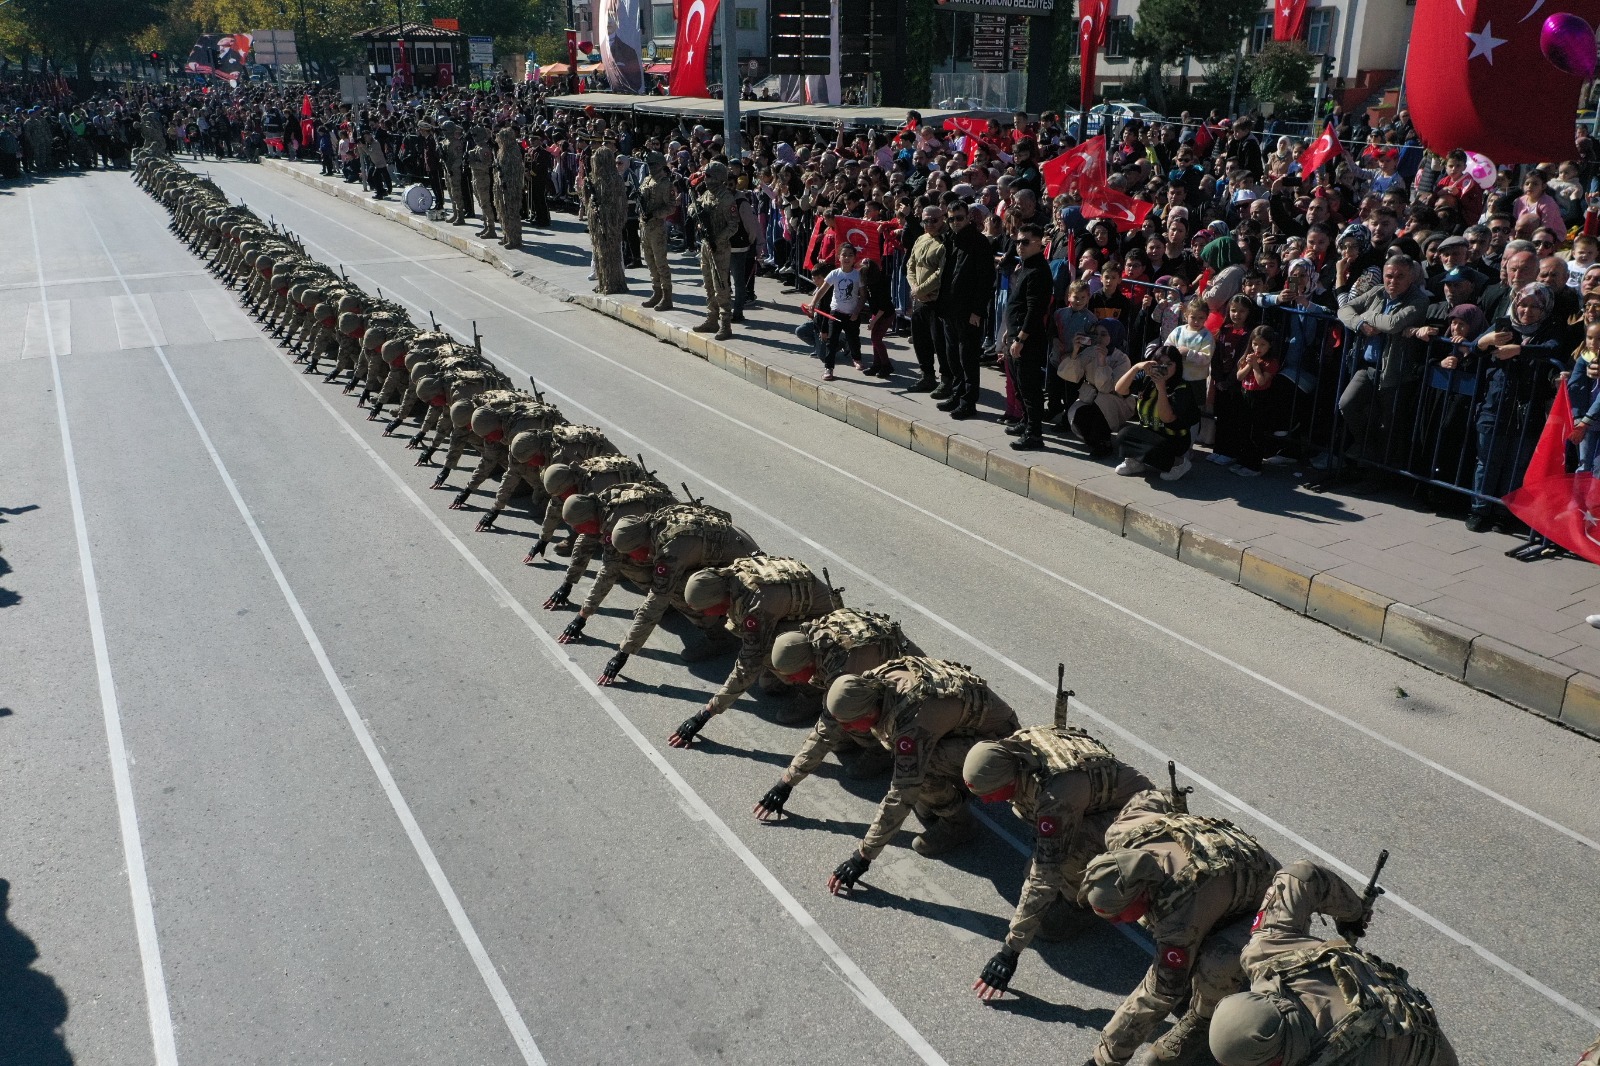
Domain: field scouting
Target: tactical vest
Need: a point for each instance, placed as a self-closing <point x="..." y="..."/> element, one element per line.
<point x="932" y="679"/>
<point x="713" y="526"/>
<point x="757" y="572"/>
<point x="1068" y="749"/>
<point x="1215" y="846"/>
<point x="578" y="440"/>
<point x="647" y="495"/>
<point x="834" y="636"/>
<point x="626" y="469"/>
<point x="1381" y="1002"/>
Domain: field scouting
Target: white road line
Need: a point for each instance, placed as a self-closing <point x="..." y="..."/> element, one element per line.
<point x="1128" y="612"/>
<point x="865" y="990"/>
<point x="144" y="915"/>
<point x="59" y="282"/>
<point x="136" y="321"/>
<point x="1227" y="797"/>
<point x="436" y="874"/>
<point x="222" y="317"/>
<point x="48" y="331"/>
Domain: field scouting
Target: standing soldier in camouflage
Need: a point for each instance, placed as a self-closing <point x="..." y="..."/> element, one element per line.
<point x="508" y="187"/>
<point x="928" y="713"/>
<point x="608" y="211"/>
<point x="1070" y="788"/>
<point x="762" y="597"/>
<point x="657" y="200"/>
<point x="452" y="146"/>
<point x="480" y="158"/>
<point x="714" y="215"/>
<point x="1324" y="1001"/>
<point x="593" y="516"/>
<point x="1194" y="884"/>
<point x="674" y="543"/>
<point x="154" y="129"/>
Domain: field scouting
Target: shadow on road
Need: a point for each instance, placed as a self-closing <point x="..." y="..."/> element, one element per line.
<point x="32" y="1006"/>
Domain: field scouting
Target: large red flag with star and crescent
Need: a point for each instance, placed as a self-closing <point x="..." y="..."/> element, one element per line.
<point x="1122" y="210"/>
<point x="1563" y="507"/>
<point x="1319" y="151"/>
<point x="1288" y="20"/>
<point x="689" y="50"/>
<point x="1092" y="19"/>
<point x="867" y="237"/>
<point x="1477" y="78"/>
<point x="1076" y="169"/>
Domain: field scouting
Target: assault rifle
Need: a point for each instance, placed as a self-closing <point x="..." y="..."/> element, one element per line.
<point x="1063" y="696"/>
<point x="1178" y="796"/>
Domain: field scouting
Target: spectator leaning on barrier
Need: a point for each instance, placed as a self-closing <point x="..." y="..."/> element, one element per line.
<point x="1378" y="402"/>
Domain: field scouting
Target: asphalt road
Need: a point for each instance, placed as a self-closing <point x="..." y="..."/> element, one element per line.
<point x="295" y="772"/>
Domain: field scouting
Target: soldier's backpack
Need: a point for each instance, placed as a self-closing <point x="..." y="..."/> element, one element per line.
<point x="759" y="571"/>
<point x="834" y="636"/>
<point x="932" y="679"/>
<point x="1216" y="847"/>
<point x="1379" y="998"/>
<point x="1068" y="749"/>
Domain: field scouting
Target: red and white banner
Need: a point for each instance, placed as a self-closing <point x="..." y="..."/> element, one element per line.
<point x="1092" y="20"/>
<point x="867" y="237"/>
<point x="1288" y="20"/>
<point x="1123" y="211"/>
<point x="1561" y="506"/>
<point x="1076" y="169"/>
<point x="691" y="48"/>
<point x="1320" y="151"/>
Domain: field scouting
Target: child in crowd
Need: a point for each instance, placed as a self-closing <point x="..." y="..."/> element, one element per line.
<point x="1195" y="344"/>
<point x="843" y="285"/>
<point x="1258" y="378"/>
<point x="1225" y="397"/>
<point x="1583" y="389"/>
<point x="1072" y="323"/>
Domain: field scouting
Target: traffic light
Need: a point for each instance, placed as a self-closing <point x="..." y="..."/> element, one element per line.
<point x="1327" y="67"/>
<point x="155" y="57"/>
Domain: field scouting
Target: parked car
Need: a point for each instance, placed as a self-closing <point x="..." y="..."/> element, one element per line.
<point x="1117" y="112"/>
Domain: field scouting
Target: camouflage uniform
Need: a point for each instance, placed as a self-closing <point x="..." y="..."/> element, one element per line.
<point x="657" y="200"/>
<point x="683" y="539"/>
<point x="480" y="158"/>
<point x="452" y="147"/>
<point x="715" y="214"/>
<point x="770" y="595"/>
<point x="508" y="187"/>
<point x="608" y="212"/>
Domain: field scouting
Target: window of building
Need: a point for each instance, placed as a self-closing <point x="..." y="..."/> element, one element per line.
<point x="383" y="55"/>
<point x="1260" y="32"/>
<point x="425" y="54"/>
<point x="745" y="19"/>
<point x="1319" y="35"/>
<point x="1119" y="34"/>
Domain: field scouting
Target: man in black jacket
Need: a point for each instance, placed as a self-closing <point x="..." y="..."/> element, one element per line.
<point x="966" y="285"/>
<point x="1027" y="320"/>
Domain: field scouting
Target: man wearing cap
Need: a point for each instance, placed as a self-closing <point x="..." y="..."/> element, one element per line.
<point x="1453" y="255"/>
<point x="675" y="542"/>
<point x="714" y="209"/>
<point x="593" y="516"/>
<point x="1070" y="788"/>
<point x="761" y="597"/>
<point x="928" y="713"/>
<point x="848" y="641"/>
<point x="657" y="200"/>
<point x="1313" y="1000"/>
<point x="1193" y="883"/>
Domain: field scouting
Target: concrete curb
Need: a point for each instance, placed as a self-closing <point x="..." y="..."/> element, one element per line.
<point x="1518" y="676"/>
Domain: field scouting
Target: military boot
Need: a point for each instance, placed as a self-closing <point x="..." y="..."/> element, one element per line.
<point x="1186" y="1044"/>
<point x="946" y="834"/>
<point x="708" y="326"/>
<point x="655" y="298"/>
<point x="725" y="332"/>
<point x="666" y="300"/>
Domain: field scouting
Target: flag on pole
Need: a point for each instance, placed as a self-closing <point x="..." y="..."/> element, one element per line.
<point x="1321" y="150"/>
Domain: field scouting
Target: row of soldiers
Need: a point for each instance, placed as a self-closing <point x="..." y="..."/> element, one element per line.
<point x="1236" y="960"/>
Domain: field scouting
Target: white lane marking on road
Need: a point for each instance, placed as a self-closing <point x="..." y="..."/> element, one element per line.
<point x="222" y="316"/>
<point x="48" y="331"/>
<point x="1129" y="612"/>
<point x="402" y="810"/>
<point x="60" y="282"/>
<point x="693" y="805"/>
<point x="1217" y="790"/>
<point x="136" y="321"/>
<point x="144" y="915"/>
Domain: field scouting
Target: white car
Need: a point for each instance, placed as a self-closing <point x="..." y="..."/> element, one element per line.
<point x="1117" y="112"/>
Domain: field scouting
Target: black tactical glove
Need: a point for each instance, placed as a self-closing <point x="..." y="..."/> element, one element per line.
<point x="536" y="551"/>
<point x="771" y="805"/>
<point x="847" y="873"/>
<point x="688" y="729"/>
<point x="614" y="667"/>
<point x="461" y="498"/>
<point x="574" y="632"/>
<point x="560" y="597"/>
<point x="486" y="523"/>
<point x="996" y="975"/>
<point x="438" y="482"/>
<point x="348" y="389"/>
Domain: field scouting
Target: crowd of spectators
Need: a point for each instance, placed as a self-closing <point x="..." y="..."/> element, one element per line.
<point x="1389" y="314"/>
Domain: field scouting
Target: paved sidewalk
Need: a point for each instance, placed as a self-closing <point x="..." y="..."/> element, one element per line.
<point x="1382" y="567"/>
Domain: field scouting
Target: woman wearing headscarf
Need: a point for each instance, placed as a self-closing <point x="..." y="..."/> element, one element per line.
<point x="1357" y="269"/>
<point x="1523" y="354"/>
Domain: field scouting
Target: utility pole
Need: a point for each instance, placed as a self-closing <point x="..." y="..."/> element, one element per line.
<point x="730" y="78"/>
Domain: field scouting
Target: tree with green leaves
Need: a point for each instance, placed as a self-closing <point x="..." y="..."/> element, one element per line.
<point x="81" y="28"/>
<point x="1170" y="31"/>
<point x="1280" y="72"/>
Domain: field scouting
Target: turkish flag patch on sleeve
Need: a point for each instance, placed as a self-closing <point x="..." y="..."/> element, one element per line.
<point x="1257" y="923"/>
<point x="661" y="571"/>
<point x="906" y="745"/>
<point x="1173" y="958"/>
<point x="751" y="624"/>
<point x="1048" y="827"/>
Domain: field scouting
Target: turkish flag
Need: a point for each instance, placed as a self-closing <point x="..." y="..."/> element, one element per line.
<point x="1091" y="38"/>
<point x="1563" y="507"/>
<point x="977" y="132"/>
<point x="1288" y="20"/>
<point x="1202" y="139"/>
<point x="1477" y="79"/>
<point x="1125" y="212"/>
<point x="866" y="236"/>
<point x="1076" y="169"/>
<point x="689" y="51"/>
<point x="1320" y="151"/>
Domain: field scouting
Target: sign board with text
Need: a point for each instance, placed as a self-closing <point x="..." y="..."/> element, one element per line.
<point x="480" y="51"/>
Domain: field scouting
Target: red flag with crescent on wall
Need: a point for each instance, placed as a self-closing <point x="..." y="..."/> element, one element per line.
<point x="1076" y="169"/>
<point x="1092" y="17"/>
<point x="1563" y="507"/>
<point x="1288" y="19"/>
<point x="866" y="236"/>
<point x="1320" y="151"/>
<point x="1122" y="210"/>
<point x="689" y="50"/>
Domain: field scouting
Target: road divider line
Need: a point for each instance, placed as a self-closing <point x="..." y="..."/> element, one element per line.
<point x="157" y="1004"/>
<point x="1159" y="755"/>
<point x="441" y="883"/>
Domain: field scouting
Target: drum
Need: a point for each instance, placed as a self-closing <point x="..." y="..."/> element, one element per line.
<point x="419" y="198"/>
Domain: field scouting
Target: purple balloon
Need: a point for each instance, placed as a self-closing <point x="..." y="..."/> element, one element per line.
<point x="1568" y="41"/>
